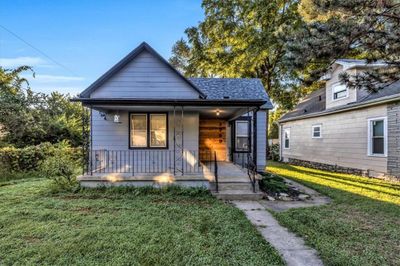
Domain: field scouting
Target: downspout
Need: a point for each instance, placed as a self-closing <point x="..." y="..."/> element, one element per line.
<point x="280" y="142"/>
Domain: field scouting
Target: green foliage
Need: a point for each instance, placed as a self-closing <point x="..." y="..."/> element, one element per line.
<point x="171" y="190"/>
<point x="61" y="169"/>
<point x="273" y="184"/>
<point x="363" y="29"/>
<point x="96" y="227"/>
<point x="274" y="152"/>
<point x="29" y="118"/>
<point x="359" y="227"/>
<point x="15" y="160"/>
<point x="243" y="39"/>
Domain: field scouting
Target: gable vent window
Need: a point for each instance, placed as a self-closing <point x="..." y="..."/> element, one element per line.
<point x="339" y="91"/>
<point x="377" y="136"/>
<point x="316" y="131"/>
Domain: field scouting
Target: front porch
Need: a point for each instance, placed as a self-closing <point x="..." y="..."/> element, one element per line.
<point x="194" y="146"/>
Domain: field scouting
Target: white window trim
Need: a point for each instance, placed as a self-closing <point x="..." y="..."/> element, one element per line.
<point x="284" y="139"/>
<point x="320" y="131"/>
<point x="333" y="93"/>
<point x="242" y="136"/>
<point x="385" y="136"/>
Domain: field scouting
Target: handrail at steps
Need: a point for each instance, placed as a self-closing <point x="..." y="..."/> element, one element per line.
<point x="216" y="171"/>
<point x="251" y="171"/>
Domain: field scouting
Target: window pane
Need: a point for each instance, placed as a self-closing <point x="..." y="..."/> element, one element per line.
<point x="286" y="143"/>
<point x="158" y="130"/>
<point x="138" y="130"/>
<point x="242" y="143"/>
<point x="242" y="128"/>
<point x="377" y="128"/>
<point x="378" y="146"/>
<point x="316" y="131"/>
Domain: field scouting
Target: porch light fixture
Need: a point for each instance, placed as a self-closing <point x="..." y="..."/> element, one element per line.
<point x="218" y="112"/>
<point x="117" y="119"/>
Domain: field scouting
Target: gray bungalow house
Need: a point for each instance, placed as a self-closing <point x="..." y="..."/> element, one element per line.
<point x="343" y="129"/>
<point x="149" y="124"/>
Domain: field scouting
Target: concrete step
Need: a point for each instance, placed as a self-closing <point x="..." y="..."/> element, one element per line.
<point x="231" y="186"/>
<point x="237" y="195"/>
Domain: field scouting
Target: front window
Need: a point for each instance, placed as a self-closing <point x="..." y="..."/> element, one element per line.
<point x="286" y="138"/>
<point x="316" y="131"/>
<point x="242" y="136"/>
<point x="377" y="136"/>
<point x="148" y="131"/>
<point x="339" y="91"/>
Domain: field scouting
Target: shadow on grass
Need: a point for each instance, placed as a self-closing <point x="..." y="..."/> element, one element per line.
<point x="341" y="194"/>
<point x="360" y="179"/>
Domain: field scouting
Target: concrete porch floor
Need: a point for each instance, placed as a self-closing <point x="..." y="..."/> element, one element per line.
<point x="227" y="173"/>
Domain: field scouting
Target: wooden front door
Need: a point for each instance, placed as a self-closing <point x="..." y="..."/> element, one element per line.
<point x="212" y="138"/>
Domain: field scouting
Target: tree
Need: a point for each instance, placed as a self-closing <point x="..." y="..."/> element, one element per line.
<point x="363" y="29"/>
<point x="241" y="38"/>
<point x="29" y="118"/>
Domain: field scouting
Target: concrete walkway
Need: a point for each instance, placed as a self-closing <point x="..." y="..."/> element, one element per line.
<point x="292" y="248"/>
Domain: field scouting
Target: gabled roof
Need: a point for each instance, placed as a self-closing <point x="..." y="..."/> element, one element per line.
<point x="312" y="106"/>
<point x="142" y="47"/>
<point x="233" y="88"/>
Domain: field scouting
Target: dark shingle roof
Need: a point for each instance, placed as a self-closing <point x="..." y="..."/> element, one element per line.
<point x="312" y="103"/>
<point x="315" y="102"/>
<point x="233" y="88"/>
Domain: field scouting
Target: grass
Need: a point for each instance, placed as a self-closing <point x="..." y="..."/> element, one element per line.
<point x="360" y="227"/>
<point x="123" y="227"/>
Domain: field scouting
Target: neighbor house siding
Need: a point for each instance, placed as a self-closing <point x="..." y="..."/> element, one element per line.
<point x="394" y="139"/>
<point x="115" y="136"/>
<point x="335" y="79"/>
<point x="146" y="77"/>
<point x="344" y="140"/>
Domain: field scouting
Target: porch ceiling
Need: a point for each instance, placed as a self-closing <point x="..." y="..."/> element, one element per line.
<point x="225" y="112"/>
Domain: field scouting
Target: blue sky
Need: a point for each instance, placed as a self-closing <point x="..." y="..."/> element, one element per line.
<point x="87" y="36"/>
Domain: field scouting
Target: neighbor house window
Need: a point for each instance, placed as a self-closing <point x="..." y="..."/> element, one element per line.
<point x="286" y="138"/>
<point x="377" y="136"/>
<point x="339" y="91"/>
<point x="148" y="131"/>
<point x="242" y="139"/>
<point x="317" y="131"/>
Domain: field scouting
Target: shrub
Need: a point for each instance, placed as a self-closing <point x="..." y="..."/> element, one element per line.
<point x="274" y="152"/>
<point x="28" y="159"/>
<point x="61" y="169"/>
<point x="273" y="184"/>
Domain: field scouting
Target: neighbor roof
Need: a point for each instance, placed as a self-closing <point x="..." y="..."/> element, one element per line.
<point x="234" y="89"/>
<point x="315" y="103"/>
<point x="143" y="46"/>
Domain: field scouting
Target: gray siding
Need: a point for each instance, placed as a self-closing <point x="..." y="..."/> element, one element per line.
<point x="394" y="139"/>
<point x="344" y="140"/>
<point x="146" y="77"/>
<point x="261" y="139"/>
<point x="111" y="136"/>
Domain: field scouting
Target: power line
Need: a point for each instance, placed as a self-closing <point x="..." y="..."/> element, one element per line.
<point x="38" y="50"/>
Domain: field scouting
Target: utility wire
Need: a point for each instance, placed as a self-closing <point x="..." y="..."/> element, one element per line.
<point x="38" y="50"/>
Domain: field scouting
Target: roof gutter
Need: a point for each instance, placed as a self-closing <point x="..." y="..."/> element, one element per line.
<point x="387" y="99"/>
<point x="166" y="102"/>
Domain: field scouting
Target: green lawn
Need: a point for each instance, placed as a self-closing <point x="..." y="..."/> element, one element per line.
<point x="121" y="228"/>
<point x="360" y="227"/>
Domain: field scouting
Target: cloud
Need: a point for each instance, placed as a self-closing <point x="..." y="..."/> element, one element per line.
<point x="21" y="61"/>
<point x="56" y="78"/>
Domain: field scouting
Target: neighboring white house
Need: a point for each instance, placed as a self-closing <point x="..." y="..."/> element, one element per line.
<point x="346" y="130"/>
<point x="149" y="123"/>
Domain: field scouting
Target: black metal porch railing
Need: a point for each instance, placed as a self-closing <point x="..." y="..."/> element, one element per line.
<point x="245" y="160"/>
<point x="146" y="161"/>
